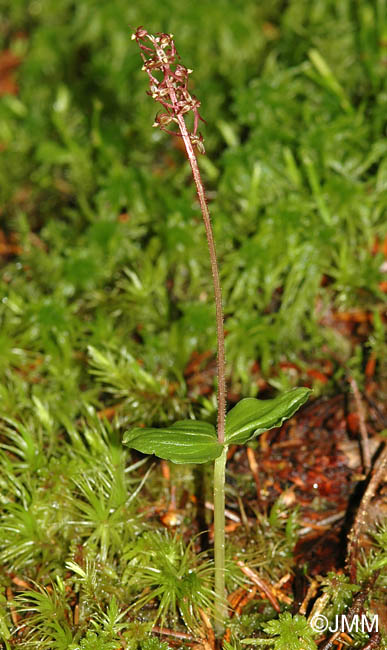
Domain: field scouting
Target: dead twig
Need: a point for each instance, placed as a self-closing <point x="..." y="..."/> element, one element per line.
<point x="362" y="425"/>
<point x="312" y="591"/>
<point x="378" y="475"/>
<point x="380" y="415"/>
<point x="242" y="510"/>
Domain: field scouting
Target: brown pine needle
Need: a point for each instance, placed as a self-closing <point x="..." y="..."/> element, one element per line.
<point x="14" y="614"/>
<point x="261" y="584"/>
<point x="209" y="633"/>
<point x="21" y="583"/>
<point x="254" y="470"/>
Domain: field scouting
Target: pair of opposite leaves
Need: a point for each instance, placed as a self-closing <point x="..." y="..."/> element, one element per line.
<point x="194" y="441"/>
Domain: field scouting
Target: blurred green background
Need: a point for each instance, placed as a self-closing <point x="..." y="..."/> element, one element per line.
<point x="103" y="244"/>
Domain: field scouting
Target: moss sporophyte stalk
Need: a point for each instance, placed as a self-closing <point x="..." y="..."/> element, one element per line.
<point x="194" y="441"/>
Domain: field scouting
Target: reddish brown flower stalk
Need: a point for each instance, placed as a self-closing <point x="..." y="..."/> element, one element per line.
<point x="169" y="86"/>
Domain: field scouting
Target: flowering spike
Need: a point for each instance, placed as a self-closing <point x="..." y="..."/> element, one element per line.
<point x="162" y="57"/>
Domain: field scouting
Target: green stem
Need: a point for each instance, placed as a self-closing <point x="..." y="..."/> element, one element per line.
<point x="219" y="542"/>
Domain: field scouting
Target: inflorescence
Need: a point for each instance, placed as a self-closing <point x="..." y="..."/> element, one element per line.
<point x="171" y="91"/>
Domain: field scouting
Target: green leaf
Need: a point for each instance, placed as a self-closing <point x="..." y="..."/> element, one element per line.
<point x="251" y="416"/>
<point x="186" y="441"/>
<point x="290" y="633"/>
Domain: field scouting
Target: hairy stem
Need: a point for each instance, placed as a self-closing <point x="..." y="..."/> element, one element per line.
<point x="211" y="248"/>
<point x="219" y="542"/>
<point x="215" y="276"/>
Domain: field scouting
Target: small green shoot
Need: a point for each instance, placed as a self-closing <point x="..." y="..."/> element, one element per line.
<point x="287" y="633"/>
<point x="170" y="571"/>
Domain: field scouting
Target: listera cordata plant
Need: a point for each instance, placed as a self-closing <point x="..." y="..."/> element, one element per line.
<point x="193" y="441"/>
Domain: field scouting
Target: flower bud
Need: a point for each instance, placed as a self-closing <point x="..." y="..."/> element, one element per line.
<point x="164" y="119"/>
<point x="139" y="34"/>
<point x="197" y="142"/>
<point x="165" y="40"/>
<point x="180" y="71"/>
<point x="200" y="147"/>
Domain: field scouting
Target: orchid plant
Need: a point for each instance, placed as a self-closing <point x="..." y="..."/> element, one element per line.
<point x="193" y="441"/>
